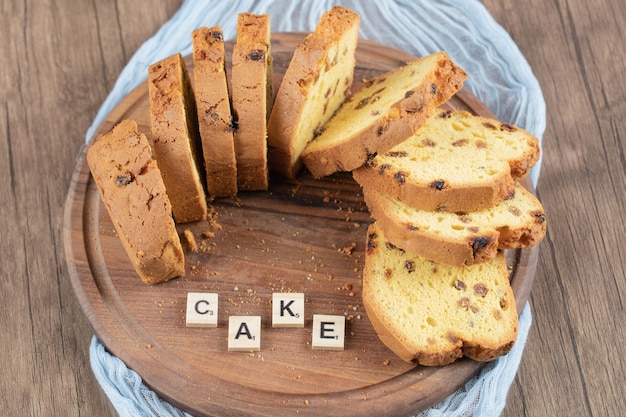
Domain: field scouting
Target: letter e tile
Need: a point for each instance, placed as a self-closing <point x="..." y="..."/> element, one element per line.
<point x="328" y="332"/>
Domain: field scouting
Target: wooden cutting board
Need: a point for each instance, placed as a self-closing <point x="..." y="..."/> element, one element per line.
<point x="302" y="236"/>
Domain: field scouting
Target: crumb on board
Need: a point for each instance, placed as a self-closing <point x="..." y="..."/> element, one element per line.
<point x="347" y="250"/>
<point x="191" y="240"/>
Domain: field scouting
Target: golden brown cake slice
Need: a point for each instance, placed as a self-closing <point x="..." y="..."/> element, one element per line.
<point x="384" y="112"/>
<point x="133" y="193"/>
<point x="433" y="314"/>
<point x="214" y="114"/>
<point x="462" y="238"/>
<point x="455" y="162"/>
<point x="251" y="89"/>
<point x="174" y="128"/>
<point x="316" y="83"/>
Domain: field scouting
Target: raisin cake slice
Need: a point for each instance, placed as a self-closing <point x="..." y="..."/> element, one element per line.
<point x="175" y="137"/>
<point x="384" y="112"/>
<point x="251" y="89"/>
<point x="214" y="113"/>
<point x="432" y="314"/>
<point x="133" y="192"/>
<point x="455" y="162"/>
<point x="316" y="83"/>
<point x="462" y="238"/>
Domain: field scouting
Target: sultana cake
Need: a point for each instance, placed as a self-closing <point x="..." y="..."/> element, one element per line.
<point x="215" y="119"/>
<point x="316" y="83"/>
<point x="455" y="162"/>
<point x="133" y="192"/>
<point x="384" y="112"/>
<point x="175" y="137"/>
<point x="251" y="89"/>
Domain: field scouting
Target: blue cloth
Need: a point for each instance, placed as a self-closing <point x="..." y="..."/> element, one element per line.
<point x="498" y="75"/>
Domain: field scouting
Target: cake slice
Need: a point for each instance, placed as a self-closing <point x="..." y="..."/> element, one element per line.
<point x="316" y="83"/>
<point x="462" y="238"/>
<point x="175" y="137"/>
<point x="384" y="112"/>
<point x="455" y="162"/>
<point x="215" y="120"/>
<point x="251" y="89"/>
<point x="133" y="192"/>
<point x="432" y="314"/>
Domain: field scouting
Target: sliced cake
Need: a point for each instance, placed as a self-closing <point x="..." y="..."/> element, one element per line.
<point x="133" y="192"/>
<point x="384" y="112"/>
<point x="462" y="238"/>
<point x="174" y="129"/>
<point x="432" y="314"/>
<point x="251" y="89"/>
<point x="214" y="114"/>
<point x="316" y="83"/>
<point x="455" y="162"/>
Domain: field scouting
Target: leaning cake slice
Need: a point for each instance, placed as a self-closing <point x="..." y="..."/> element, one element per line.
<point x="133" y="192"/>
<point x="432" y="314"/>
<point x="384" y="112"/>
<point x="214" y="114"/>
<point x="251" y="89"/>
<point x="174" y="128"/>
<point x="316" y="83"/>
<point x="462" y="238"/>
<point x="455" y="162"/>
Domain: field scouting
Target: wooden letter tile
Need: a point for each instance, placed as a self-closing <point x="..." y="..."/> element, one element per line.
<point x="288" y="310"/>
<point x="244" y="333"/>
<point x="201" y="309"/>
<point x="328" y="332"/>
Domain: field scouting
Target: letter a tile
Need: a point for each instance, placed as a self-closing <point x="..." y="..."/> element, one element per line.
<point x="244" y="333"/>
<point x="328" y="332"/>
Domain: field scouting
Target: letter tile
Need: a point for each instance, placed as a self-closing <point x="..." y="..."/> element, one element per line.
<point x="202" y="309"/>
<point x="328" y="332"/>
<point x="288" y="310"/>
<point x="244" y="333"/>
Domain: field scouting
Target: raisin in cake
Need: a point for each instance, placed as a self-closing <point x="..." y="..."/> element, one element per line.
<point x="455" y="162"/>
<point x="133" y="193"/>
<point x="384" y="112"/>
<point x="462" y="238"/>
<point x="174" y="128"/>
<point x="433" y="314"/>
<point x="214" y="114"/>
<point x="316" y="83"/>
<point x="251" y="89"/>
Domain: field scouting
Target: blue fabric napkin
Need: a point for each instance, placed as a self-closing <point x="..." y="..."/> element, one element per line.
<point x="498" y="75"/>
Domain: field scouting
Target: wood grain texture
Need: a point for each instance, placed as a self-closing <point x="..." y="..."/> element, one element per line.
<point x="62" y="58"/>
<point x="290" y="239"/>
<point x="577" y="52"/>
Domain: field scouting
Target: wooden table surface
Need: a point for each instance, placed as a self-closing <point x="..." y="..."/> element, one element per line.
<point x="60" y="60"/>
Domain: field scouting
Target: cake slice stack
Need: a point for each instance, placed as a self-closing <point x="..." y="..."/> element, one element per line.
<point x="446" y="203"/>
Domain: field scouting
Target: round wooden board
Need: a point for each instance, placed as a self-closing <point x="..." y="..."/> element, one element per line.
<point x="298" y="237"/>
